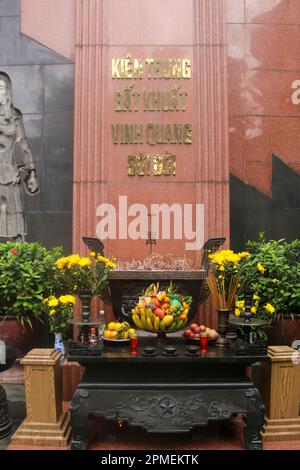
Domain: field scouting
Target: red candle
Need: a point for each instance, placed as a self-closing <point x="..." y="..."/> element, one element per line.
<point x="134" y="341"/>
<point x="203" y="342"/>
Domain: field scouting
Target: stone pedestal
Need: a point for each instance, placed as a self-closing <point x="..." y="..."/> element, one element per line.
<point x="46" y="423"/>
<point x="281" y="386"/>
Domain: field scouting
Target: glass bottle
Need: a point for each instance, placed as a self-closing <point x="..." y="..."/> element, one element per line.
<point x="102" y="324"/>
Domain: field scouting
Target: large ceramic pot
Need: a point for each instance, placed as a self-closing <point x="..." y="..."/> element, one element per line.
<point x="284" y="332"/>
<point x="23" y="338"/>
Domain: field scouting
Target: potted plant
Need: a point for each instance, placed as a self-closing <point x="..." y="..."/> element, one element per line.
<point x="26" y="277"/>
<point x="272" y="272"/>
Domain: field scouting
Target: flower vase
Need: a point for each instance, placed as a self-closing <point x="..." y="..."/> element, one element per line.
<point x="85" y="299"/>
<point x="223" y="327"/>
<point x="59" y="344"/>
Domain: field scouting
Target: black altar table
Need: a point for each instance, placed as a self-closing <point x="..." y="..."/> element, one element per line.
<point x="167" y="394"/>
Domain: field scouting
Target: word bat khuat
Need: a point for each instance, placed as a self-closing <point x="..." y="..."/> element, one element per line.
<point x="143" y="165"/>
<point x="152" y="134"/>
<point x="133" y="100"/>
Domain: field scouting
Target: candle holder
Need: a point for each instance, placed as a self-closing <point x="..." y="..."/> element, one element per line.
<point x="246" y="324"/>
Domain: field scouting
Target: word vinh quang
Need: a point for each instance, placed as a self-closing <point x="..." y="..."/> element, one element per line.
<point x="152" y="134"/>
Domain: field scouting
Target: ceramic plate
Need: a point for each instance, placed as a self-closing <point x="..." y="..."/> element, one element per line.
<point x="116" y="342"/>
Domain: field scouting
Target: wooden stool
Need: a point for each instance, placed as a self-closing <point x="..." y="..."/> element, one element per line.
<point x="46" y="423"/>
<point x="281" y="394"/>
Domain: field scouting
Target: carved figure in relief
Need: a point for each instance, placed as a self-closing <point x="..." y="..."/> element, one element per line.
<point x="12" y="132"/>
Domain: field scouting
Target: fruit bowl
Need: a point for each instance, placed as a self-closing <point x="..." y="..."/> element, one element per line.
<point x="161" y="312"/>
<point x="116" y="342"/>
<point x="117" y="334"/>
<point x="196" y="329"/>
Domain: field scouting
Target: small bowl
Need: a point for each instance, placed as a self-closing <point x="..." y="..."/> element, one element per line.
<point x="192" y="349"/>
<point x="170" y="350"/>
<point x="149" y="350"/>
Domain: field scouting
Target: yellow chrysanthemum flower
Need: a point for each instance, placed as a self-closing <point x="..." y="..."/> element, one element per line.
<point x="256" y="297"/>
<point x="108" y="264"/>
<point x="237" y="312"/>
<point x="240" y="304"/>
<point x="260" y="268"/>
<point x="269" y="308"/>
<point x="53" y="302"/>
<point x="244" y="255"/>
<point x="67" y="299"/>
<point x="253" y="309"/>
<point x="84" y="262"/>
<point x="92" y="254"/>
<point x="52" y="312"/>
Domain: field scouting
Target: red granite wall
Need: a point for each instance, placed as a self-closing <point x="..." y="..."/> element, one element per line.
<point x="264" y="84"/>
<point x="193" y="30"/>
<point x="263" y="70"/>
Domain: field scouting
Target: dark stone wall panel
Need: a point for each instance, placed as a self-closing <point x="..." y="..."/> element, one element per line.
<point x="9" y="7"/>
<point x="18" y="49"/>
<point x="59" y="89"/>
<point x="286" y="186"/>
<point x="58" y="151"/>
<point x="43" y="88"/>
<point x="253" y="212"/>
<point x="52" y="229"/>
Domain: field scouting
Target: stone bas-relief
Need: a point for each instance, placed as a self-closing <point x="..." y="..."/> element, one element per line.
<point x="13" y="173"/>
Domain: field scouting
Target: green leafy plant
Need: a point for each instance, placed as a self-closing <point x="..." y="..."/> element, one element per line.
<point x="26" y="277"/>
<point x="272" y="273"/>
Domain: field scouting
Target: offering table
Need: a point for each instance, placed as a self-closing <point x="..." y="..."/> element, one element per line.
<point x="167" y="393"/>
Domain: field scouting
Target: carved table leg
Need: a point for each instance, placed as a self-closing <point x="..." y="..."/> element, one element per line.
<point x="254" y="420"/>
<point x="5" y="423"/>
<point x="79" y="420"/>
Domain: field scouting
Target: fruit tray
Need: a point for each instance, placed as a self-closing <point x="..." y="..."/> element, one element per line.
<point x="116" y="342"/>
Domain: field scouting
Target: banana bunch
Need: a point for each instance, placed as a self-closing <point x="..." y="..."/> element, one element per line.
<point x="161" y="310"/>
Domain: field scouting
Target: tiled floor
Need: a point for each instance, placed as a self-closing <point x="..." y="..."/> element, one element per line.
<point x="216" y="436"/>
<point x="105" y="435"/>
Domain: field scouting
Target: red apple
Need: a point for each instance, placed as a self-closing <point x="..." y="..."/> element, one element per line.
<point x="188" y="332"/>
<point x="196" y="336"/>
<point x="202" y="328"/>
<point x="197" y="330"/>
<point x="193" y="326"/>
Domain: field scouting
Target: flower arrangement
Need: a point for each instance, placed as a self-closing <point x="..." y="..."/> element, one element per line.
<point x="224" y="279"/>
<point x="59" y="310"/>
<point x="84" y="274"/>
